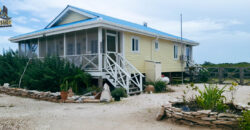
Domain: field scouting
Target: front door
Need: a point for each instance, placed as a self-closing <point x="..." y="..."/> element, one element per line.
<point x="112" y="45"/>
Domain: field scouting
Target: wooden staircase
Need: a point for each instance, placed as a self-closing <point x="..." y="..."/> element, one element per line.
<point x="124" y="75"/>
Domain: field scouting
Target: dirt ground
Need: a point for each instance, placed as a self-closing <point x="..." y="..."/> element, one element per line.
<point x="135" y="112"/>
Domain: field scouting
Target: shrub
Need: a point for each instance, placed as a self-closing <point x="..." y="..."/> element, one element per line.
<point x="64" y="86"/>
<point x="203" y="76"/>
<point x="11" y="67"/>
<point x="118" y="93"/>
<point x="211" y="98"/>
<point x="46" y="75"/>
<point x="160" y="86"/>
<point x="244" y="121"/>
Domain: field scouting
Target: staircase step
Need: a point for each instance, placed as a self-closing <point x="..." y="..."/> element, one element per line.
<point x="135" y="92"/>
<point x="133" y="88"/>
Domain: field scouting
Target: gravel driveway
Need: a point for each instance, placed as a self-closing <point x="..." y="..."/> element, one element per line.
<point x="135" y="112"/>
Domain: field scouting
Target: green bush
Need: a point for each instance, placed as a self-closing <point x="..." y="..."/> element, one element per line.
<point x="64" y="86"/>
<point x="46" y="75"/>
<point x="118" y="93"/>
<point x="211" y="98"/>
<point x="160" y="86"/>
<point x="244" y="121"/>
<point x="203" y="76"/>
<point x="11" y="67"/>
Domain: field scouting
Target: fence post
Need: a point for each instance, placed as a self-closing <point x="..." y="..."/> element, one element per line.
<point x="241" y="76"/>
<point x="220" y="75"/>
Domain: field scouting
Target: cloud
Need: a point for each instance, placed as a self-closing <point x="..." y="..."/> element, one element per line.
<point x="34" y="20"/>
<point x="5" y="44"/>
<point x="220" y="26"/>
<point x="20" y="19"/>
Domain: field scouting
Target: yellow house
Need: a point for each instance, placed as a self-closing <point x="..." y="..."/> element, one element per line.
<point x="118" y="51"/>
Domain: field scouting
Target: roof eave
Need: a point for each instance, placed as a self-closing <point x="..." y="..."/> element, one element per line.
<point x="102" y="23"/>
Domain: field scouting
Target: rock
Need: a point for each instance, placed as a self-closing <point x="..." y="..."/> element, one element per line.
<point x="199" y="121"/>
<point x="204" y="111"/>
<point x="105" y="95"/>
<point x="213" y="113"/>
<point x="7" y="85"/>
<point x="91" y="101"/>
<point x="70" y="92"/>
<point x="226" y="119"/>
<point x="160" y="114"/>
<point x="177" y="115"/>
<point x="208" y="118"/>
<point x="222" y="122"/>
<point x="74" y="98"/>
<point x="226" y="115"/>
<point x="150" y="89"/>
<point x="176" y="109"/>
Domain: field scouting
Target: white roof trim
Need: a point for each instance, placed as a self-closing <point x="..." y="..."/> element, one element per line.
<point x="64" y="12"/>
<point x="98" y="23"/>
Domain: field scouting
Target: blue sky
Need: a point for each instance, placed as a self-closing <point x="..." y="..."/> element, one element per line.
<point x="221" y="26"/>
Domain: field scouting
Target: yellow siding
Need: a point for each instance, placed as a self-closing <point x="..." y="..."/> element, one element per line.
<point x="165" y="54"/>
<point x="71" y="17"/>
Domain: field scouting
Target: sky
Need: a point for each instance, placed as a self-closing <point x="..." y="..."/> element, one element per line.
<point x="220" y="26"/>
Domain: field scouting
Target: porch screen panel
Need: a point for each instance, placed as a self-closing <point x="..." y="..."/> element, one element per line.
<point x="51" y="46"/>
<point x="27" y="48"/>
<point x="92" y="41"/>
<point x="34" y="47"/>
<point x="59" y="45"/>
<point x="70" y="43"/>
<point x="80" y="42"/>
<point x="22" y="48"/>
<point x="42" y="47"/>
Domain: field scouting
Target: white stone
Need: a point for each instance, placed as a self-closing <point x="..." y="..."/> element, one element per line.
<point x="106" y="96"/>
<point x="165" y="79"/>
<point x="6" y="85"/>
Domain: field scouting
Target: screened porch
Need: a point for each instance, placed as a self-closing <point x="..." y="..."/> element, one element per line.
<point x="84" y="48"/>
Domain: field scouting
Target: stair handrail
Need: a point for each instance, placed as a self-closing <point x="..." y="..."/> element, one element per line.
<point x="124" y="59"/>
<point x="117" y="65"/>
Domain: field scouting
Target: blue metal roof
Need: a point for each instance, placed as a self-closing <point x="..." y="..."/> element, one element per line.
<point x="64" y="25"/>
<point x="129" y="24"/>
<point x="109" y="19"/>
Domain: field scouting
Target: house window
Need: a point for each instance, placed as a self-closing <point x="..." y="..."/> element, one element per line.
<point x="135" y="44"/>
<point x="156" y="45"/>
<point x="175" y="52"/>
<point x="94" y="46"/>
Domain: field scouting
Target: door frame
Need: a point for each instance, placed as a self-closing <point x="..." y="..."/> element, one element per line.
<point x="116" y="41"/>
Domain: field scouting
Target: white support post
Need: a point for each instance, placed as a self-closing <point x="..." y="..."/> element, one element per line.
<point x="122" y="44"/>
<point x="64" y="45"/>
<point x="140" y="83"/>
<point x="38" y="47"/>
<point x="99" y="49"/>
<point x="75" y="45"/>
<point x="46" y="46"/>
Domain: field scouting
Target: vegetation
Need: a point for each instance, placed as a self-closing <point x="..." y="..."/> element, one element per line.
<point x="11" y="67"/>
<point x="240" y="64"/>
<point x="211" y="98"/>
<point x="46" y="75"/>
<point x="203" y="76"/>
<point x="65" y="86"/>
<point x="160" y="86"/>
<point x="244" y="121"/>
<point x="118" y="93"/>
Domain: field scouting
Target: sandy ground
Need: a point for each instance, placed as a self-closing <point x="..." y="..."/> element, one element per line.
<point x="135" y="112"/>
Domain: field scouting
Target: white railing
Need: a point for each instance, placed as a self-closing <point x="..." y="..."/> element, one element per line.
<point x="128" y="67"/>
<point x="88" y="62"/>
<point x="118" y="77"/>
<point x="198" y="67"/>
